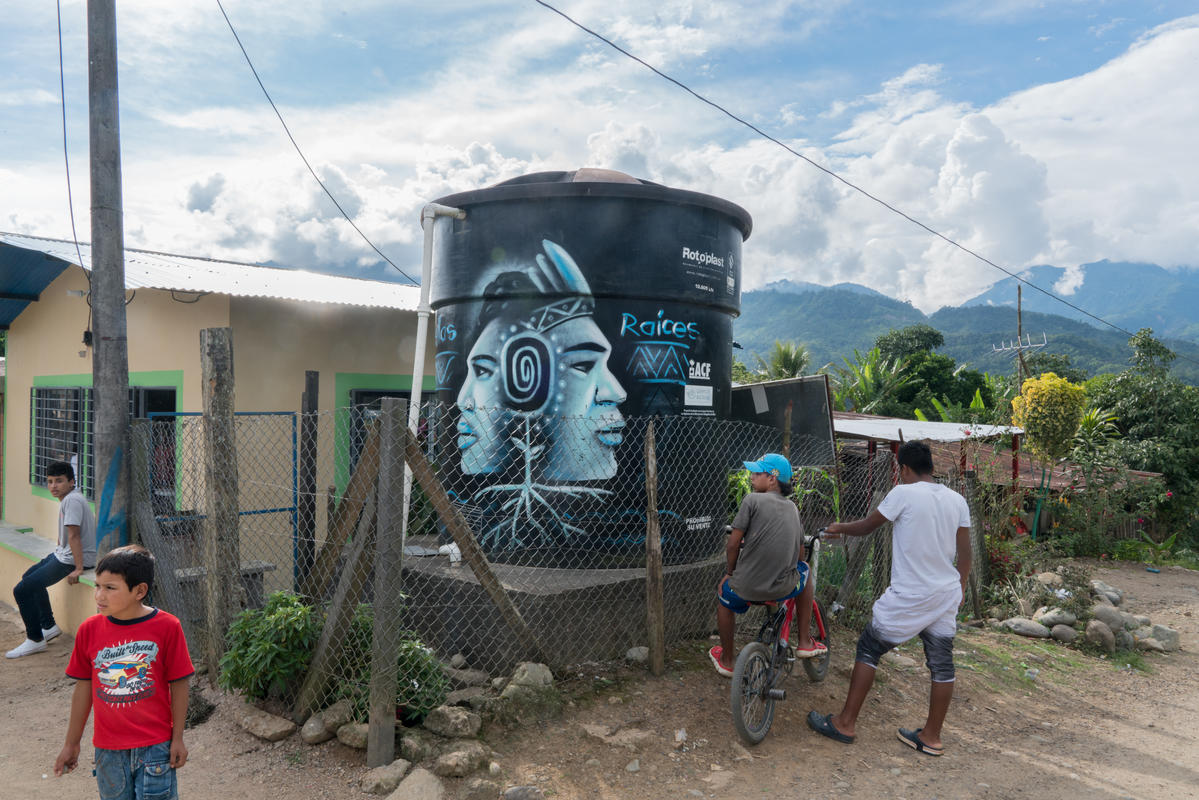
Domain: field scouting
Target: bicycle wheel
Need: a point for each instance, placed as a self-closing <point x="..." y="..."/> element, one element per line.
<point x="753" y="707"/>
<point x="817" y="668"/>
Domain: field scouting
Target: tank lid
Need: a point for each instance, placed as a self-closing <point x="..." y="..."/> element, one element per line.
<point x="595" y="182"/>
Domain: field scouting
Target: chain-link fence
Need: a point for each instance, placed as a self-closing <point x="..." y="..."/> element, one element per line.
<point x="526" y="535"/>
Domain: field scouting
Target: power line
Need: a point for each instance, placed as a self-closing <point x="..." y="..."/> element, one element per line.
<point x="301" y="152"/>
<point x="830" y="172"/>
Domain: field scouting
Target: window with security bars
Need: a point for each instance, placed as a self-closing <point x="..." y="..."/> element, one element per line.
<point x="60" y="430"/>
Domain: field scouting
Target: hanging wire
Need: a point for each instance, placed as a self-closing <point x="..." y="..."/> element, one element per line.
<point x="301" y="152"/>
<point x="833" y="174"/>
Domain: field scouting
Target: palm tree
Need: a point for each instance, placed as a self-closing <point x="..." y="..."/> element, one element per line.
<point x="787" y="360"/>
<point x="862" y="384"/>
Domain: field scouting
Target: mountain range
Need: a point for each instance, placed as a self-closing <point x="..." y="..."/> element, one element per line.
<point x="832" y="321"/>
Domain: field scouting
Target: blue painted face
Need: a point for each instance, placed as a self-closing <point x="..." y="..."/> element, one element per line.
<point x="485" y="421"/>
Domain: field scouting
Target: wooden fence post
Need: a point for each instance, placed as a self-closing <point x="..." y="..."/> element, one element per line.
<point x="221" y="542"/>
<point x="978" y="543"/>
<point x="468" y="545"/>
<point x="306" y="479"/>
<point x="655" y="617"/>
<point x="380" y="747"/>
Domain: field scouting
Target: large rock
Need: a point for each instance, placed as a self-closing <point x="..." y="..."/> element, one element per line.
<point x="453" y="722"/>
<point x="1063" y="633"/>
<point x="1110" y="592"/>
<point x="1102" y="599"/>
<point x="1125" y="640"/>
<point x="419" y="785"/>
<point x="1026" y="627"/>
<point x="523" y="793"/>
<point x="315" y="731"/>
<point x="337" y="715"/>
<point x="1050" y="617"/>
<point x="1098" y="633"/>
<point x="384" y="779"/>
<point x="265" y="726"/>
<point x="464" y="678"/>
<point x="638" y="655"/>
<point x="465" y="697"/>
<point x="1112" y="617"/>
<point x="529" y="673"/>
<point x="1050" y="579"/>
<point x="353" y="734"/>
<point x="1150" y="644"/>
<point x="418" y="745"/>
<point x="1167" y="636"/>
<point x="462" y="760"/>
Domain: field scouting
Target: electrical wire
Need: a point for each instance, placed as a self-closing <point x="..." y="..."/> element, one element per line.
<point x="301" y="152"/>
<point x="833" y="174"/>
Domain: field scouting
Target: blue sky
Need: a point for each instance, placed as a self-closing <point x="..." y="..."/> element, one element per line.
<point x="1036" y="132"/>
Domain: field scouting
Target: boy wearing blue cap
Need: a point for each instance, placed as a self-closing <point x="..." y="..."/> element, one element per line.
<point x="764" y="554"/>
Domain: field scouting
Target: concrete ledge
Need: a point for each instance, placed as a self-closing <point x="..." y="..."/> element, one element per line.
<point x="19" y="551"/>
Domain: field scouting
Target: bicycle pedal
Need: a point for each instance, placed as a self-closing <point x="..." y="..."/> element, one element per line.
<point x="776" y="694"/>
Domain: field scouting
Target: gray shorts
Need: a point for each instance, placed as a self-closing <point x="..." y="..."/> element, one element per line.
<point x="938" y="652"/>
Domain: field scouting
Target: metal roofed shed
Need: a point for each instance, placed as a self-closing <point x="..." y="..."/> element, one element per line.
<point x="849" y="425"/>
<point x="28" y="264"/>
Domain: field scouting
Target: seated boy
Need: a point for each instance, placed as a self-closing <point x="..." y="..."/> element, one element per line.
<point x="764" y="555"/>
<point x="131" y="665"/>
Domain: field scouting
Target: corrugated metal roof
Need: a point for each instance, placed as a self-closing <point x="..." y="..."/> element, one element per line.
<point x="890" y="429"/>
<point x="151" y="270"/>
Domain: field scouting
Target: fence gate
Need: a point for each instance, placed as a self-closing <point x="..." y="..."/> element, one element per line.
<point x="172" y="450"/>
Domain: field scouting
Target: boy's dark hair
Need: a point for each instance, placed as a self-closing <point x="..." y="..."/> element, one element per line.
<point x="785" y="489"/>
<point x="60" y="469"/>
<point x="132" y="562"/>
<point x="916" y="456"/>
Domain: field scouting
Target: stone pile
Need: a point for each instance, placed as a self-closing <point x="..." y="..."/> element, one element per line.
<point x="1109" y="626"/>
<point x="446" y="745"/>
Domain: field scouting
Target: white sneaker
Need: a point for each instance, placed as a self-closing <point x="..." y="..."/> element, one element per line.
<point x="26" y="648"/>
<point x="51" y="632"/>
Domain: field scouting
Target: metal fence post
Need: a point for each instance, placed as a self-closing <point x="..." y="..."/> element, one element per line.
<point x="380" y="748"/>
<point x="655" y="617"/>
<point x="306" y="511"/>
<point x="221" y="545"/>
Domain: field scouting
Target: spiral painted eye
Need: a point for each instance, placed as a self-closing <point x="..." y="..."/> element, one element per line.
<point x="528" y="366"/>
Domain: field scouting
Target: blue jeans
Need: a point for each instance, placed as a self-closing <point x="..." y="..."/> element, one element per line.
<point x="140" y="773"/>
<point x="32" y="598"/>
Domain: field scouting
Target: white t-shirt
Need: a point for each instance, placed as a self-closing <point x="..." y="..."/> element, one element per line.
<point x="926" y="517"/>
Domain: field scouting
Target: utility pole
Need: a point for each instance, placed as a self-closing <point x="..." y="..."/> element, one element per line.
<point x="1021" y="367"/>
<point x="110" y="354"/>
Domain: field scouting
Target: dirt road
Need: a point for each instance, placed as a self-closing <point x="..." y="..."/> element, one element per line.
<point x="1083" y="726"/>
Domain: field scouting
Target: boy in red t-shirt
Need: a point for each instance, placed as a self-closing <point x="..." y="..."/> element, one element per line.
<point x="133" y="658"/>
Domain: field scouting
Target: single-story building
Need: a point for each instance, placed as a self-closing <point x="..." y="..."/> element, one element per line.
<point x="358" y="334"/>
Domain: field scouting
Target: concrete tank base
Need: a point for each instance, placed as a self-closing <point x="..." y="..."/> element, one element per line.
<point x="576" y="614"/>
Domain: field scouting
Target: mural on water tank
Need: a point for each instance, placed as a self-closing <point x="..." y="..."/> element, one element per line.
<point x="539" y="405"/>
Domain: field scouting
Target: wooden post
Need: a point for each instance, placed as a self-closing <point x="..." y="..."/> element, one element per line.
<point x="655" y="616"/>
<point x="389" y="555"/>
<point x="787" y="429"/>
<point x="345" y="518"/>
<point x="472" y="553"/>
<point x="221" y="542"/>
<point x="110" y="349"/>
<point x="306" y="479"/>
<point x="341" y="612"/>
<point x="978" y="543"/>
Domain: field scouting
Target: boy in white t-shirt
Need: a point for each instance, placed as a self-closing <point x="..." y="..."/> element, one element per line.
<point x="931" y="524"/>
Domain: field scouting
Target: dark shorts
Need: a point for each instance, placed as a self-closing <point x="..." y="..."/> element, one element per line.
<point x="730" y="600"/>
<point x="938" y="652"/>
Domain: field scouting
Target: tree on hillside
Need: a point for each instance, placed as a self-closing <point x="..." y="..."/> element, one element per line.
<point x="785" y="360"/>
<point x="742" y="374"/>
<point x="904" y="342"/>
<point x="1156" y="414"/>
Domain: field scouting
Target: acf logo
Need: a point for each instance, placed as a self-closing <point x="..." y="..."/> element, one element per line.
<point x="699" y="370"/>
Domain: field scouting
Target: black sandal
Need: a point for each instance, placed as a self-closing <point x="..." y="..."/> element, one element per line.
<point x="912" y="740"/>
<point x="824" y="726"/>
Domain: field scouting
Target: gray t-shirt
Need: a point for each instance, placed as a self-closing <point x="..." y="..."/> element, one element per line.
<point x="74" y="510"/>
<point x="770" y="549"/>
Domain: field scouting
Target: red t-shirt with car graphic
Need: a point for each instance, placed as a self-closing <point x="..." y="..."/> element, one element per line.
<point x="130" y="664"/>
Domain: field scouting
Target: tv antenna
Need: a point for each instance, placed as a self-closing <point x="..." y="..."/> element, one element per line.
<point x="1023" y="342"/>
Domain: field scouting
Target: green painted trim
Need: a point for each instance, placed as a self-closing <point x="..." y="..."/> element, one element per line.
<point x="343" y="384"/>
<point x="44" y="493"/>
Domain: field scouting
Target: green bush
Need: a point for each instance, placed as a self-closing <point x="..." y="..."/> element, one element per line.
<point x="421" y="685"/>
<point x="268" y="649"/>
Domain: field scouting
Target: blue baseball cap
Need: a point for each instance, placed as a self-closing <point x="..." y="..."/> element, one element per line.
<point x="771" y="464"/>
